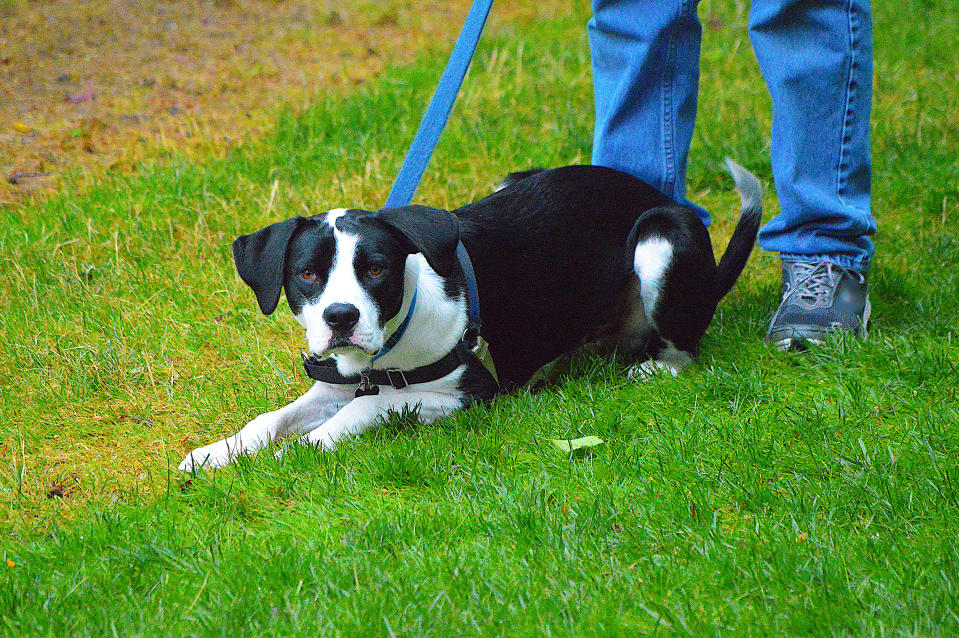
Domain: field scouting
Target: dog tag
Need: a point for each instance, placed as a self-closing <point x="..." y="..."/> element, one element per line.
<point x="365" y="388"/>
<point x="365" y="391"/>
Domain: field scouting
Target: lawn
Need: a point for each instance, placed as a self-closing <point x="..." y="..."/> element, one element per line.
<point x="759" y="493"/>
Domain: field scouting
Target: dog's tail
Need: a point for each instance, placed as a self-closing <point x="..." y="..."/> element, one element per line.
<point x="744" y="236"/>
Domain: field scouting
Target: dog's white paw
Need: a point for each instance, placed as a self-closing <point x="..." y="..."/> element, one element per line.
<point x="280" y="453"/>
<point x="208" y="457"/>
<point x="650" y="368"/>
<point x="319" y="439"/>
<point x="318" y="442"/>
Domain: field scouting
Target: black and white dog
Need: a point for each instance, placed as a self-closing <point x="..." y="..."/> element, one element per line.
<point x="563" y="258"/>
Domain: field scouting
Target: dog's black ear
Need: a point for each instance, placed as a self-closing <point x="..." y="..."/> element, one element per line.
<point x="426" y="230"/>
<point x="260" y="259"/>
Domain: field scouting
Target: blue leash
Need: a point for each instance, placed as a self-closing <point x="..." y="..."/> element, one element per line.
<point x="431" y="128"/>
<point x="436" y="116"/>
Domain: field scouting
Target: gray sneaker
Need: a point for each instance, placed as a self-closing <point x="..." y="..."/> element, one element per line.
<point x="819" y="298"/>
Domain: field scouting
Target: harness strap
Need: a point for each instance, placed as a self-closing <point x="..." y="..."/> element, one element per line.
<point x="472" y="299"/>
<point x="399" y="332"/>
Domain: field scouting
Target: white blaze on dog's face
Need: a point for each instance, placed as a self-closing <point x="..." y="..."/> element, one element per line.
<point x="344" y="281"/>
<point x="346" y="274"/>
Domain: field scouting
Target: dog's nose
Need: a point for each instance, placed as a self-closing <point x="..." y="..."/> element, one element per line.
<point x="341" y="316"/>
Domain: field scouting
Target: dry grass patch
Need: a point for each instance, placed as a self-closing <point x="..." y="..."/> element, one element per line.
<point x="102" y="85"/>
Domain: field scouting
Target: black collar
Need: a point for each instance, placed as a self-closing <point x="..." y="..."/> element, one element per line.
<point x="369" y="380"/>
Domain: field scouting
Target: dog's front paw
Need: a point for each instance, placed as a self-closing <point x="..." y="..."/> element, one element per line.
<point x="207" y="457"/>
<point x="319" y="439"/>
<point x="320" y="442"/>
<point x="649" y="369"/>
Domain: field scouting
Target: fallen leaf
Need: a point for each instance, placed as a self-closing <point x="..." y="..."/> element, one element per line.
<point x="20" y="127"/>
<point x="10" y="563"/>
<point x="577" y="446"/>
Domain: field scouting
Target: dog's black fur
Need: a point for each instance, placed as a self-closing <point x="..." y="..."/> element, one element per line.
<point x="552" y="259"/>
<point x="553" y="252"/>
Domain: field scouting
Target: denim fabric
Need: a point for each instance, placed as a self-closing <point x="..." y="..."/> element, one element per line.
<point x="645" y="76"/>
<point x="816" y="58"/>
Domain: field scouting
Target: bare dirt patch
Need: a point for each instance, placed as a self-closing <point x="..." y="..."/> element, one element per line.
<point x="102" y="85"/>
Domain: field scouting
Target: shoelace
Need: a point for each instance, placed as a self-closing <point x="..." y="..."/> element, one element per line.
<point x="814" y="281"/>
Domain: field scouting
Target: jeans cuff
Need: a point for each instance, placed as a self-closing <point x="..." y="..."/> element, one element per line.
<point x="860" y="264"/>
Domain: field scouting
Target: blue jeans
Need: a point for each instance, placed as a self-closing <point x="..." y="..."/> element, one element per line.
<point x="816" y="58"/>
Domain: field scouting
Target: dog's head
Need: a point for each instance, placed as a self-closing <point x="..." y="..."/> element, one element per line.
<point x="345" y="272"/>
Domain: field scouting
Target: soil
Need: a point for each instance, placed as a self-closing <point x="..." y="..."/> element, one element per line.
<point x="101" y="85"/>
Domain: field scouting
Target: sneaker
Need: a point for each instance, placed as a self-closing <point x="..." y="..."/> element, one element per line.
<point x="819" y="298"/>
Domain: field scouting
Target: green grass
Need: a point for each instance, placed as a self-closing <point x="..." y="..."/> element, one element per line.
<point x="760" y="493"/>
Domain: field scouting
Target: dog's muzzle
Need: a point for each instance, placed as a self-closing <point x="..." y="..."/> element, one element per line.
<point x="341" y="318"/>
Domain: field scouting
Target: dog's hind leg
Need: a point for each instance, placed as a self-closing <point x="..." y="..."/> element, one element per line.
<point x="667" y="311"/>
<point x="656" y="355"/>
<point x="667" y="359"/>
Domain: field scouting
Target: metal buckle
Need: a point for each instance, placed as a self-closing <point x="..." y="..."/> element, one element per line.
<point x="397" y="384"/>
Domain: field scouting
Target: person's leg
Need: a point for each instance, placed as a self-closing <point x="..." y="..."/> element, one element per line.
<point x="645" y="56"/>
<point x="816" y="58"/>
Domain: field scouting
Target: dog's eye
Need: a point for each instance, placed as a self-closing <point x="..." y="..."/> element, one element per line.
<point x="375" y="270"/>
<point x="308" y="275"/>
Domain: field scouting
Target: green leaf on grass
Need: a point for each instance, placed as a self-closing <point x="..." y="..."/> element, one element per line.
<point x="580" y="446"/>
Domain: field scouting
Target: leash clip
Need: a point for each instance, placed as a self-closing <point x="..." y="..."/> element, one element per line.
<point x="366" y="389"/>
